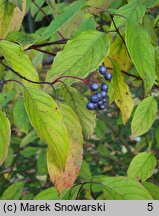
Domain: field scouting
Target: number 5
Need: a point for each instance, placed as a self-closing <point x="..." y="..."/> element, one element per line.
<point x="150" y="206"/>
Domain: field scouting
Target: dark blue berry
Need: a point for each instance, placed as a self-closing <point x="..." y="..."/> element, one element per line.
<point x="104" y="87"/>
<point x="90" y="106"/>
<point x="100" y="102"/>
<point x="104" y="100"/>
<point x="94" y="86"/>
<point x="102" y="70"/>
<point x="108" y="76"/>
<point x="104" y="94"/>
<point x="99" y="94"/>
<point x="95" y="105"/>
<point x="94" y="98"/>
<point x="102" y="107"/>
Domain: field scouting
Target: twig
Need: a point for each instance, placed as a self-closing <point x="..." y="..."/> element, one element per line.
<point x="46" y="17"/>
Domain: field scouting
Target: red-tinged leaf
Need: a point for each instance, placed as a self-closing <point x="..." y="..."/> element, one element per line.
<point x="66" y="178"/>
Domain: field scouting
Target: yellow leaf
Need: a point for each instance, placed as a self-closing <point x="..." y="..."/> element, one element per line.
<point x="18" y="16"/>
<point x="118" y="53"/>
<point x="65" y="178"/>
<point x="6" y="14"/>
<point x="120" y="93"/>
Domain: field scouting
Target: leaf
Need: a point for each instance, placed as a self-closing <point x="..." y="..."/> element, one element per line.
<point x="133" y="11"/>
<point x="120" y="93"/>
<point x="142" y="52"/>
<point x="87" y="24"/>
<point x="18" y="60"/>
<point x="122" y="188"/>
<point x="25" y="40"/>
<point x="29" y="138"/>
<point x="70" y="193"/>
<point x="152" y="189"/>
<point x="60" y="20"/>
<point x="42" y="163"/>
<point x="65" y="178"/>
<point x="21" y="119"/>
<point x="6" y="14"/>
<point x="46" y="118"/>
<point x="6" y="97"/>
<point x="5" y="136"/>
<point x="147" y="3"/>
<point x="80" y="56"/>
<point x="118" y="53"/>
<point x="157" y="61"/>
<point x="85" y="172"/>
<point x="18" y="15"/>
<point x="47" y="194"/>
<point x="18" y="3"/>
<point x="78" y="103"/>
<point x="142" y="166"/>
<point x="144" y="116"/>
<point x="13" y="192"/>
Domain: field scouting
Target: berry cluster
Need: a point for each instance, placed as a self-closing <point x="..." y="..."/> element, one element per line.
<point x="98" y="100"/>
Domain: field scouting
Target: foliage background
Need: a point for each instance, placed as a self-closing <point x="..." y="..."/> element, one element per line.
<point x="120" y="133"/>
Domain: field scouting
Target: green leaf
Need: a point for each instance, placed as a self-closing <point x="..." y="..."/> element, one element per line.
<point x="70" y="193"/>
<point x="6" y="14"/>
<point x="147" y="3"/>
<point x="34" y="9"/>
<point x="13" y="192"/>
<point x="78" y="103"/>
<point x="133" y="11"/>
<point x="122" y="188"/>
<point x="18" y="3"/>
<point x="46" y="118"/>
<point x="5" y="135"/>
<point x="42" y="163"/>
<point x="152" y="189"/>
<point x="25" y="40"/>
<point x="60" y="20"/>
<point x="10" y="158"/>
<point x="144" y="116"/>
<point x="29" y="138"/>
<point x="85" y="173"/>
<point x="142" y="166"/>
<point x="21" y="119"/>
<point x="66" y="178"/>
<point x="18" y="60"/>
<point x="87" y="24"/>
<point x="6" y="97"/>
<point x="157" y="61"/>
<point x="142" y="52"/>
<point x="48" y="194"/>
<point x="80" y="56"/>
<point x="120" y="93"/>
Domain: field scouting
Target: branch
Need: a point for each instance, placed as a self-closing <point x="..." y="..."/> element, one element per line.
<point x="58" y="42"/>
<point x="46" y="17"/>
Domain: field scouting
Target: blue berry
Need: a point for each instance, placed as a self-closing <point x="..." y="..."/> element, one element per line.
<point x="108" y="76"/>
<point x="104" y="100"/>
<point x="104" y="87"/>
<point x="90" y="106"/>
<point x="95" y="105"/>
<point x="102" y="107"/>
<point x="104" y="94"/>
<point x="94" y="98"/>
<point x="99" y="94"/>
<point x="100" y="102"/>
<point x="94" y="86"/>
<point x="102" y="70"/>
